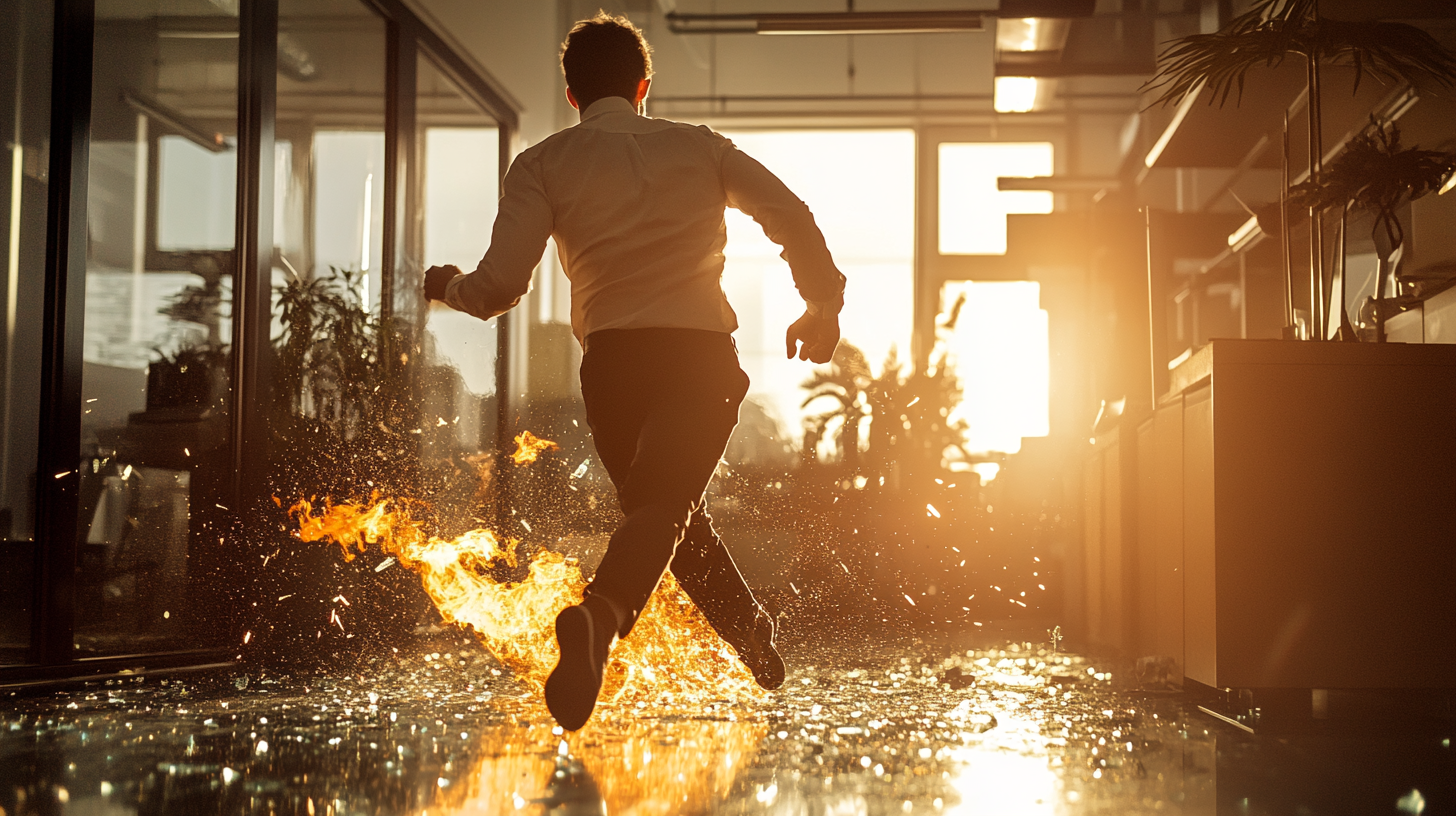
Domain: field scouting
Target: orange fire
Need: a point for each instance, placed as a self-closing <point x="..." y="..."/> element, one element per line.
<point x="672" y="652"/>
<point x="528" y="447"/>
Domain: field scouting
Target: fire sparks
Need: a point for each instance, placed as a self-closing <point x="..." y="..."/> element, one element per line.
<point x="672" y="652"/>
<point x="528" y="447"/>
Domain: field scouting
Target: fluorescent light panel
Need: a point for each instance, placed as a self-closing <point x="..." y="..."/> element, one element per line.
<point x="1015" y="94"/>
<point x="853" y="22"/>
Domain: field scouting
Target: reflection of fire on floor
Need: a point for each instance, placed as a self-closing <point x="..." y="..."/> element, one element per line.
<point x="644" y="766"/>
<point x="862" y="727"/>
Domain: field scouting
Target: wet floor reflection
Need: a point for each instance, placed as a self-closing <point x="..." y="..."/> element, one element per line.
<point x="913" y="728"/>
<point x="662" y="765"/>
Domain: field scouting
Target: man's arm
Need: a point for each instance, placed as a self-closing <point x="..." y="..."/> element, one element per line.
<point x="787" y="221"/>
<point x="503" y="276"/>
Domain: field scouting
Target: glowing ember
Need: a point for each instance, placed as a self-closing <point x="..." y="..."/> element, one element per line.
<point x="528" y="447"/>
<point x="672" y="652"/>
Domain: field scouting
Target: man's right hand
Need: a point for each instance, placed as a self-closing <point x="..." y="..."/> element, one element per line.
<point x="813" y="338"/>
<point x="435" y="279"/>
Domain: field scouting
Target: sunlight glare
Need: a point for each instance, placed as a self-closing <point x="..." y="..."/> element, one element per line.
<point x="972" y="209"/>
<point x="1003" y="783"/>
<point x="986" y="470"/>
<point x="1000" y="350"/>
<point x="860" y="185"/>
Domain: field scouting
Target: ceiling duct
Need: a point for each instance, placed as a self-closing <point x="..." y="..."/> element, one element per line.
<point x="871" y="22"/>
<point x="848" y="22"/>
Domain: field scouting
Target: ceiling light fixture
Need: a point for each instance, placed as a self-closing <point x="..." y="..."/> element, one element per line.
<point x="850" y="22"/>
<point x="1015" y="94"/>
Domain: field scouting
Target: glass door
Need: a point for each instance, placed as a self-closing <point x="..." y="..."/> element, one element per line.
<point x="161" y="223"/>
<point x="25" y="82"/>
<point x="458" y="172"/>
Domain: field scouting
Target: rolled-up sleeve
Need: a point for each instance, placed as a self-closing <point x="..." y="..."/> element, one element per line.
<point x="787" y="221"/>
<point x="523" y="223"/>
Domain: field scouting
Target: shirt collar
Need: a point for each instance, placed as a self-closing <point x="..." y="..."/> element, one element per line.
<point x="608" y="104"/>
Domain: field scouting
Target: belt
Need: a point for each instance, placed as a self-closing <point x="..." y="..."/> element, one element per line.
<point x="658" y="337"/>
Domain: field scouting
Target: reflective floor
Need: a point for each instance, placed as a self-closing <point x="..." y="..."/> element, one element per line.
<point x="900" y="727"/>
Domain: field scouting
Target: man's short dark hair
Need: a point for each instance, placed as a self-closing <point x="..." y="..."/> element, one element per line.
<point x="605" y="56"/>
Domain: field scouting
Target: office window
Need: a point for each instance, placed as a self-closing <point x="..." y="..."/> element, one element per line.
<point x="972" y="210"/>
<point x="459" y="167"/>
<point x="158" y="321"/>
<point x="1000" y="352"/>
<point x="860" y="185"/>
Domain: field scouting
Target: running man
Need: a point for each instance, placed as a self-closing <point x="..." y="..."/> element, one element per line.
<point x="636" y="206"/>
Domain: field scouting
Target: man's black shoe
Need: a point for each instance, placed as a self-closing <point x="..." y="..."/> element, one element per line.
<point x="759" y="654"/>
<point x="572" y="688"/>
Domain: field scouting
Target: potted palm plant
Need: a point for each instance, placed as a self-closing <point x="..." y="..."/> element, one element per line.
<point x="1375" y="174"/>
<point x="1274" y="30"/>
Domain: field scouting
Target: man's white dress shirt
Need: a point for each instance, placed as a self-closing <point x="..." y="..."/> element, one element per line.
<point x="636" y="207"/>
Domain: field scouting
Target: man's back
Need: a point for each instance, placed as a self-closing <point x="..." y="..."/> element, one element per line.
<point x="637" y="213"/>
<point x="636" y="208"/>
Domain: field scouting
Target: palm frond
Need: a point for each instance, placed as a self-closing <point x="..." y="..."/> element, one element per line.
<point x="1220" y="61"/>
<point x="1375" y="173"/>
<point x="1395" y="52"/>
<point x="1271" y="31"/>
<point x="843" y="398"/>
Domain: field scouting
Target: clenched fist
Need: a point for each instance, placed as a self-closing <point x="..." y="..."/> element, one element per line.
<point x="435" y="279"/>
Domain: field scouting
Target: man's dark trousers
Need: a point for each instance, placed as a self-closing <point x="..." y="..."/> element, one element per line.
<point x="661" y="404"/>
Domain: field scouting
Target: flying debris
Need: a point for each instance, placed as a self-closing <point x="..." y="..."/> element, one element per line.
<point x="529" y="446"/>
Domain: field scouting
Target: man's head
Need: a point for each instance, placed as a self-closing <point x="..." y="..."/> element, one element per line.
<point x="605" y="56"/>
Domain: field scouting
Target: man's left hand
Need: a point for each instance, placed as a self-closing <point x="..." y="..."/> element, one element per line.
<point x="435" y="279"/>
<point x="813" y="338"/>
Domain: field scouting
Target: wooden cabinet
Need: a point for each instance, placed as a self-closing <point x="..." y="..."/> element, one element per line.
<point x="1318" y="514"/>
<point x="1285" y="518"/>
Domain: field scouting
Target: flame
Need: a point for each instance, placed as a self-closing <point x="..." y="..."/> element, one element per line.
<point x="673" y="652"/>
<point x="528" y="447"/>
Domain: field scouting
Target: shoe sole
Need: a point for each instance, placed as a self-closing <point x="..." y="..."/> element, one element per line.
<point x="770" y="672"/>
<point x="572" y="688"/>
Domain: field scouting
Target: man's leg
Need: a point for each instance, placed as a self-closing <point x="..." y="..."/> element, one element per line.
<point x="704" y="568"/>
<point x="706" y="572"/>
<point x="677" y="449"/>
<point x="674" y="405"/>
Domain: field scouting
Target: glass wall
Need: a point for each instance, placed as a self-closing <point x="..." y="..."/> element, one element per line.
<point x="458" y="156"/>
<point x="328" y="209"/>
<point x="134" y="287"/>
<point x="328" y="230"/>
<point x="25" y="53"/>
<point x="159" y="262"/>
